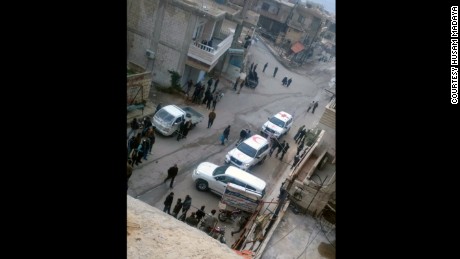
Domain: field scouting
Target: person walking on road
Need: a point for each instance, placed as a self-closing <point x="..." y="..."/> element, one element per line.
<point x="314" y="107"/>
<point x="298" y="132"/>
<point x="265" y="67"/>
<point x="172" y="172"/>
<point x="280" y="148"/>
<point x="310" y="105"/>
<point x="276" y="71"/>
<point x="302" y="136"/>
<point x="212" y="116"/>
<point x="274" y="145"/>
<point x="225" y="134"/>
<point x="168" y="203"/>
<point x="180" y="131"/>
<point x="289" y="82"/>
<point x="187" y="127"/>
<point x="285" y="149"/>
<point x="284" y="81"/>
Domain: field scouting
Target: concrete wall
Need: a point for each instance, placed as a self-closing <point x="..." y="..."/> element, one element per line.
<point x="163" y="28"/>
<point x="138" y="85"/>
<point x="170" y="54"/>
<point x="152" y="233"/>
<point x="328" y="118"/>
<point x="141" y="15"/>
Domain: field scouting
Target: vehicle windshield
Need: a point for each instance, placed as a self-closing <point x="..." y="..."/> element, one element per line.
<point x="277" y="122"/>
<point x="165" y="117"/>
<point x="220" y="170"/>
<point x="245" y="148"/>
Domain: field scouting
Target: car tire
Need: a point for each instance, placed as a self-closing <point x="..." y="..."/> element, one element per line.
<point x="201" y="185"/>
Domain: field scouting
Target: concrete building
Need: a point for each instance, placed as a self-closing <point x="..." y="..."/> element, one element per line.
<point x="312" y="182"/>
<point x="273" y="17"/>
<point x="304" y="24"/>
<point x="169" y="35"/>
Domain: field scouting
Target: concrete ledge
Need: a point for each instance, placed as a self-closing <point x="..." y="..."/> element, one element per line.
<point x="272" y="230"/>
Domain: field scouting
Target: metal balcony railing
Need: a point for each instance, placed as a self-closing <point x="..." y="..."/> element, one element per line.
<point x="210" y="55"/>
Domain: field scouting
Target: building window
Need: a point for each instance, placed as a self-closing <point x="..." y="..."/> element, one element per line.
<point x="301" y="19"/>
<point x="265" y="6"/>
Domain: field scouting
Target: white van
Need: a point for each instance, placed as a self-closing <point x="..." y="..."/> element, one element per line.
<point x="168" y="119"/>
<point x="277" y="125"/>
<point x="209" y="176"/>
<point x="254" y="150"/>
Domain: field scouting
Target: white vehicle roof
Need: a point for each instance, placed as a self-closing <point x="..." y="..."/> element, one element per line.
<point x="256" y="141"/>
<point x="174" y="110"/>
<point x="284" y="116"/>
<point x="246" y="177"/>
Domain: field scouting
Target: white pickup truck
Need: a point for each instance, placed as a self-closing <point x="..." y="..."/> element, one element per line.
<point x="168" y="118"/>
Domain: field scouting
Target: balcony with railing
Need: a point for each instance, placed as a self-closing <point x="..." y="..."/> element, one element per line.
<point x="209" y="55"/>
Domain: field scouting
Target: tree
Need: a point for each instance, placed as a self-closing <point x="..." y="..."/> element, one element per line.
<point x="175" y="79"/>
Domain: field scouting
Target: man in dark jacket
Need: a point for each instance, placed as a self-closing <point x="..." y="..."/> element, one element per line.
<point x="185" y="207"/>
<point x="225" y="134"/>
<point x="168" y="203"/>
<point x="181" y="130"/>
<point x="134" y="127"/>
<point x="212" y="116"/>
<point x="243" y="136"/>
<point x="274" y="145"/>
<point x="285" y="149"/>
<point x="280" y="148"/>
<point x="314" y="107"/>
<point x="200" y="213"/>
<point x="172" y="172"/>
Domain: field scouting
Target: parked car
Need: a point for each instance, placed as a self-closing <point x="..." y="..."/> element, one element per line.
<point x="168" y="118"/>
<point x="209" y="176"/>
<point x="252" y="151"/>
<point x="277" y="125"/>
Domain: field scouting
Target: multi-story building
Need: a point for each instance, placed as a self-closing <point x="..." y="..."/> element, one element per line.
<point x="273" y="16"/>
<point x="170" y="35"/>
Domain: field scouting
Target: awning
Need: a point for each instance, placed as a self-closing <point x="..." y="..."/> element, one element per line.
<point x="297" y="47"/>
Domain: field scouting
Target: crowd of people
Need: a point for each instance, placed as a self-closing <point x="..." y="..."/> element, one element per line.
<point x="141" y="139"/>
<point x="208" y="220"/>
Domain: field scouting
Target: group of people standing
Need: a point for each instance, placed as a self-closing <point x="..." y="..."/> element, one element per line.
<point x="209" y="220"/>
<point x="286" y="82"/>
<point x="203" y="94"/>
<point x="140" y="144"/>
